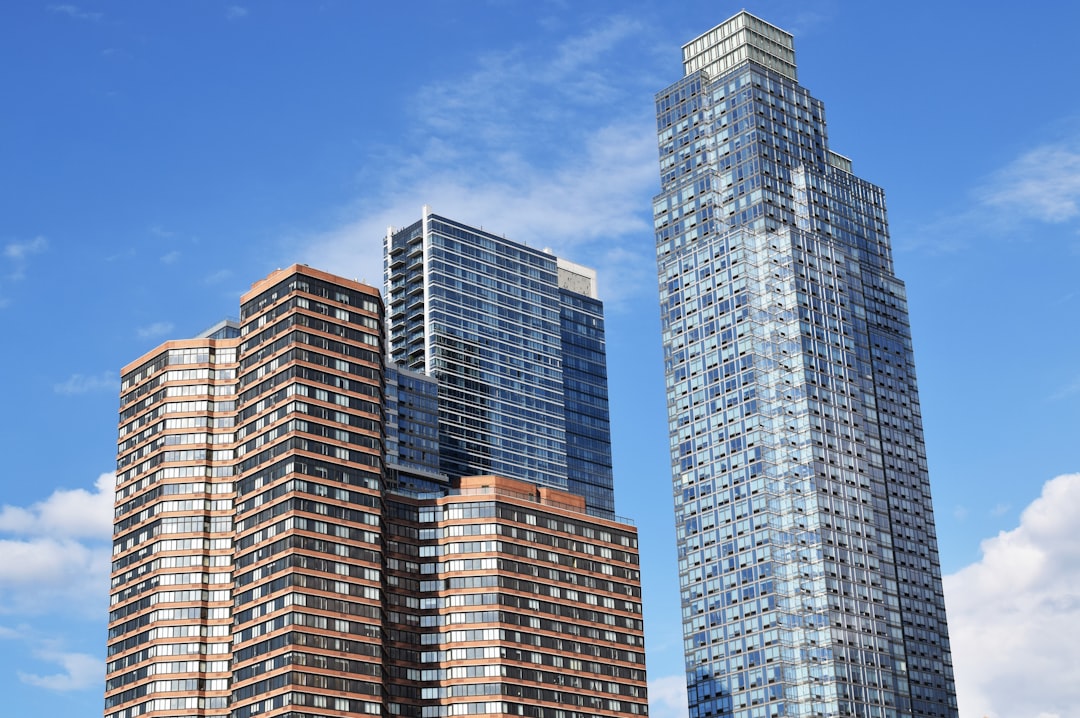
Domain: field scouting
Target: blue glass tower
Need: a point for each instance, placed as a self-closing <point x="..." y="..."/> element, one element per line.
<point x="515" y="338"/>
<point x="810" y="578"/>
<point x="411" y="427"/>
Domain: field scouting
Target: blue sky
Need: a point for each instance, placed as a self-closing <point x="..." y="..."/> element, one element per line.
<point x="156" y="158"/>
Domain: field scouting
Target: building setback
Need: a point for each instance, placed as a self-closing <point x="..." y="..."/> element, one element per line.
<point x="808" y="560"/>
<point x="264" y="565"/>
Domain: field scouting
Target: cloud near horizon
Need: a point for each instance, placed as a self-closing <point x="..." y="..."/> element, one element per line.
<point x="1014" y="615"/>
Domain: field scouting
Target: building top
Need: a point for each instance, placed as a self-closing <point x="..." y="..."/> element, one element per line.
<point x="577" y="278"/>
<point x="527" y="491"/>
<point x="737" y="40"/>
<point x="225" y="329"/>
<point x="280" y="274"/>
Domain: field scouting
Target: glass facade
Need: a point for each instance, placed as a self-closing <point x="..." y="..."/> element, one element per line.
<point x="588" y="424"/>
<point x="808" y="563"/>
<point x="515" y="338"/>
<point x="411" y="421"/>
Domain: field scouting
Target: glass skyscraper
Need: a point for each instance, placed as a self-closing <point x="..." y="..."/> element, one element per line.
<point x="808" y="561"/>
<point x="515" y="338"/>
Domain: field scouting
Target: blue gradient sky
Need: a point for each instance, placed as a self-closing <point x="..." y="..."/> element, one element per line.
<point x="156" y="158"/>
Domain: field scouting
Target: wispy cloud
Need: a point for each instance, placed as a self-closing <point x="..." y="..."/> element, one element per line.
<point x="1042" y="184"/>
<point x="524" y="95"/>
<point x="1022" y="598"/>
<point x="157" y="329"/>
<point x="170" y="257"/>
<point x="1038" y="188"/>
<point x="85" y="384"/>
<point x="56" y="552"/>
<point x="75" y="12"/>
<point x="21" y="250"/>
<point x="236" y="12"/>
<point x="217" y="277"/>
<point x="497" y="154"/>
<point x="18" y="254"/>
<point x="1067" y="390"/>
<point x="80" y="671"/>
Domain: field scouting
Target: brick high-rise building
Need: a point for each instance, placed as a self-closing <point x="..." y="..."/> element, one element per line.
<point x="267" y="563"/>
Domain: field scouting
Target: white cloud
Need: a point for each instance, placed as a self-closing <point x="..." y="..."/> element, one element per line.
<point x="75" y="12"/>
<point x="21" y="250"/>
<point x="156" y="329"/>
<point x="170" y="257"/>
<point x="1014" y="615"/>
<point x="40" y="575"/>
<point x="56" y="552"/>
<point x="67" y="513"/>
<point x="236" y="12"/>
<point x="80" y="671"/>
<point x="83" y="384"/>
<point x="667" y="697"/>
<point x="1043" y="184"/>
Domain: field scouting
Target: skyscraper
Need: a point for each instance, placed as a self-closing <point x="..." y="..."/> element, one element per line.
<point x="266" y="563"/>
<point x="808" y="561"/>
<point x="515" y="338"/>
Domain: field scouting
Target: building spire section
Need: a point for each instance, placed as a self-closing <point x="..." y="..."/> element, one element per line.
<point x="741" y="39"/>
